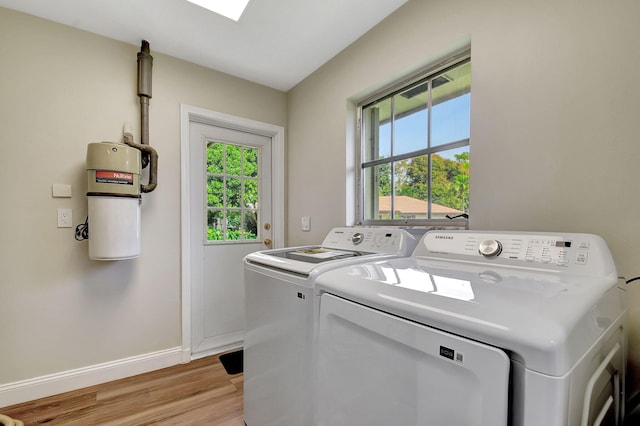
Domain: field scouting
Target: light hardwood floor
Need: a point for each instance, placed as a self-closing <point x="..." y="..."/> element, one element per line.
<point x="198" y="393"/>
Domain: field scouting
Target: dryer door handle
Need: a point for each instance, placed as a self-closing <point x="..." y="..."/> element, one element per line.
<point x="615" y="398"/>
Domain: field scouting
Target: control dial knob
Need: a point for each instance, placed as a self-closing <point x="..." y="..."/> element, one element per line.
<point x="357" y="238"/>
<point x="490" y="248"/>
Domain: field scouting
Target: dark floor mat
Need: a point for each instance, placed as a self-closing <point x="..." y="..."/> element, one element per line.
<point x="232" y="362"/>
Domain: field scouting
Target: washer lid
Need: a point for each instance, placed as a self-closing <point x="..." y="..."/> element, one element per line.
<point x="315" y="254"/>
<point x="546" y="320"/>
<point x="300" y="260"/>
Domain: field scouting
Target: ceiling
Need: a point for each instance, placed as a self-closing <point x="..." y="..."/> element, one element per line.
<point x="276" y="43"/>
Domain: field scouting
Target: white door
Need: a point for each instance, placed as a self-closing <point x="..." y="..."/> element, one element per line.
<point x="379" y="369"/>
<point x="229" y="216"/>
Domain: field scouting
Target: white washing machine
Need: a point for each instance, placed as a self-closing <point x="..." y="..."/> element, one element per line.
<point x="279" y="318"/>
<point x="476" y="328"/>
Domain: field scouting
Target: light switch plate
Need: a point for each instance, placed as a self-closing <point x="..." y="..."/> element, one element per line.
<point x="306" y="223"/>
<point x="60" y="190"/>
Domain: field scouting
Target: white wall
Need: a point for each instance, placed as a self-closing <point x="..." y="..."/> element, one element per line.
<point x="555" y="118"/>
<point x="60" y="89"/>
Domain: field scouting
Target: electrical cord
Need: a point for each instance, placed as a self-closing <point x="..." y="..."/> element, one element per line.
<point x="82" y="230"/>
<point x="630" y="280"/>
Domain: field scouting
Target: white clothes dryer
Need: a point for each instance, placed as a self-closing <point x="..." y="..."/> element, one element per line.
<point x="279" y="318"/>
<point x="475" y="328"/>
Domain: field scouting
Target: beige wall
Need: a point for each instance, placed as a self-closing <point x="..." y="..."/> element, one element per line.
<point x="61" y="89"/>
<point x="555" y="118"/>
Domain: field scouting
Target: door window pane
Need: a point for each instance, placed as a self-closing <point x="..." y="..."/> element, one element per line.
<point x="234" y="160"/>
<point x="232" y="192"/>
<point x="215" y="225"/>
<point x="251" y="193"/>
<point x="250" y="162"/>
<point x="215" y="191"/>
<point x="250" y="225"/>
<point x="215" y="159"/>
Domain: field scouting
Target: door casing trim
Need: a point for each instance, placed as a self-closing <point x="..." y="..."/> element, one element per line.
<point x="190" y="114"/>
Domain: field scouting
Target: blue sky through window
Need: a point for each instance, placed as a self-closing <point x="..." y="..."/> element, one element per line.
<point x="450" y="122"/>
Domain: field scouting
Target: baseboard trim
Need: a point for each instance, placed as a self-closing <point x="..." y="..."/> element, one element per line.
<point x="65" y="381"/>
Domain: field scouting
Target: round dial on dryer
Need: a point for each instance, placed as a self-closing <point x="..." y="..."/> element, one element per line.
<point x="490" y="248"/>
<point x="357" y="238"/>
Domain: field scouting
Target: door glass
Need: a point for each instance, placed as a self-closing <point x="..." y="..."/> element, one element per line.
<point x="232" y="192"/>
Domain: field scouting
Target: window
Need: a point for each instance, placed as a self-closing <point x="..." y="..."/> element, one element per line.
<point x="232" y="192"/>
<point x="414" y="158"/>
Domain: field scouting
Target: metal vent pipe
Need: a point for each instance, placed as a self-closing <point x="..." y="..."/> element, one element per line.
<point x="145" y="64"/>
<point x="149" y="155"/>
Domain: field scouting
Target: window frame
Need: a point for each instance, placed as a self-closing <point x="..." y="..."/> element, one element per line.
<point x="390" y="91"/>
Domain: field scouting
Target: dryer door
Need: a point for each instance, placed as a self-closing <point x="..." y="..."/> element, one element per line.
<point x="378" y="369"/>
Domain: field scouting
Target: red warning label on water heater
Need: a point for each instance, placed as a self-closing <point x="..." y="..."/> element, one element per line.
<point x="109" y="176"/>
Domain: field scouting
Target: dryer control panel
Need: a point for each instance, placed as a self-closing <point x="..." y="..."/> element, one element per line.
<point x="556" y="251"/>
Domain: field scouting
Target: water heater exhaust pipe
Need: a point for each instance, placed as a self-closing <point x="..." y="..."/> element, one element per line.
<point x="145" y="65"/>
<point x="149" y="155"/>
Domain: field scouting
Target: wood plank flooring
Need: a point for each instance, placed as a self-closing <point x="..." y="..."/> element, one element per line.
<point x="198" y="393"/>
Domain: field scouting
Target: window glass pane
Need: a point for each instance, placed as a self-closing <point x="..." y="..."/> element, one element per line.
<point x="377" y="130"/>
<point x="234" y="192"/>
<point x="410" y="119"/>
<point x="215" y="158"/>
<point x="412" y="178"/>
<point x="250" y="225"/>
<point x="234" y="160"/>
<point x="250" y="162"/>
<point x="450" y="182"/>
<point x="215" y="225"/>
<point x="234" y="225"/>
<point x="251" y="193"/>
<point x="377" y="191"/>
<point x="215" y="191"/>
<point x="450" y="113"/>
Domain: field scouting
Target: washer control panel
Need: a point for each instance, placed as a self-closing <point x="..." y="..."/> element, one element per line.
<point x="567" y="250"/>
<point x="371" y="240"/>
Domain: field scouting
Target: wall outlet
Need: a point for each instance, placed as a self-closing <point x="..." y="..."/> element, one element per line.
<point x="65" y="218"/>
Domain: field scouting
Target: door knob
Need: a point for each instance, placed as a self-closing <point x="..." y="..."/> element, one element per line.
<point x="267" y="242"/>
